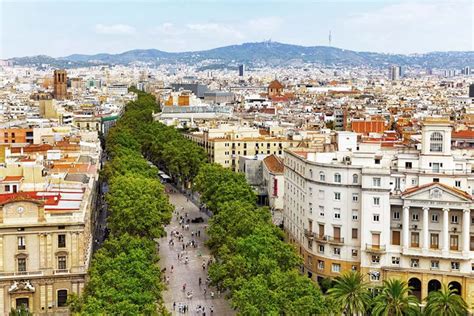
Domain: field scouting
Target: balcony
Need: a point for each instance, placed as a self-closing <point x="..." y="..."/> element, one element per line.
<point x="309" y="234"/>
<point x="321" y="238"/>
<point x="61" y="271"/>
<point x="20" y="274"/>
<point x="335" y="240"/>
<point x="374" y="248"/>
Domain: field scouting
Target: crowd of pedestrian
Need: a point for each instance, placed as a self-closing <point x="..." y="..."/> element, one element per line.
<point x="183" y="239"/>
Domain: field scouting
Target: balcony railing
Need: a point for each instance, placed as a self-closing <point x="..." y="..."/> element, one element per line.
<point x="335" y="240"/>
<point x="309" y="234"/>
<point x="20" y="273"/>
<point x="374" y="248"/>
<point x="61" y="271"/>
<point x="321" y="238"/>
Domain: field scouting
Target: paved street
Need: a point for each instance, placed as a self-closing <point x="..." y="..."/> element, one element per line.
<point x="189" y="273"/>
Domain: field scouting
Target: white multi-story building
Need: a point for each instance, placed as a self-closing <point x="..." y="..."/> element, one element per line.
<point x="401" y="212"/>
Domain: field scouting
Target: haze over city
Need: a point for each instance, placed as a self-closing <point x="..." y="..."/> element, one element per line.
<point x="70" y="27"/>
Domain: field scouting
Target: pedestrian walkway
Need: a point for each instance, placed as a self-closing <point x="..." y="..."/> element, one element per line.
<point x="188" y="274"/>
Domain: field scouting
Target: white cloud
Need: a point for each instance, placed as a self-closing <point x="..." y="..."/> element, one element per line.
<point x="115" y="29"/>
<point x="411" y="26"/>
<point x="265" y="24"/>
<point x="215" y="29"/>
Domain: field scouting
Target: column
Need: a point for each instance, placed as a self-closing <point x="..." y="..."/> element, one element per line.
<point x="405" y="227"/>
<point x="466" y="225"/>
<point x="445" y="230"/>
<point x="425" y="228"/>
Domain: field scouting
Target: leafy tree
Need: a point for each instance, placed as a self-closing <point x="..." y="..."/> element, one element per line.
<point x="138" y="207"/>
<point x="395" y="299"/>
<point x="20" y="311"/>
<point x="350" y="292"/>
<point x="123" y="278"/>
<point x="445" y="302"/>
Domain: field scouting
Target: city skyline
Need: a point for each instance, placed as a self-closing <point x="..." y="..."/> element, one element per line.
<point x="91" y="28"/>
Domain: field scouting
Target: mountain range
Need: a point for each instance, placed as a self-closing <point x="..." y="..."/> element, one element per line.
<point x="260" y="53"/>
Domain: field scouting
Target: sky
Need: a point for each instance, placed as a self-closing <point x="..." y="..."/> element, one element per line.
<point x="63" y="27"/>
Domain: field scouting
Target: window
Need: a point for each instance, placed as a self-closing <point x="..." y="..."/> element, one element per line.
<point x="21" y="263"/>
<point x="377" y="161"/>
<point x="322" y="176"/>
<point x="321" y="194"/>
<point x="375" y="259"/>
<point x="321" y="211"/>
<point x="454" y="242"/>
<point x="396" y="215"/>
<point x="355" y="215"/>
<point x="396" y="260"/>
<point x="434" y="218"/>
<point x="435" y="167"/>
<point x="310" y="207"/>
<point x="413" y="181"/>
<point x="355" y="178"/>
<point x="376" y="182"/>
<point x="434" y="264"/>
<point x="434" y="241"/>
<point x="374" y="276"/>
<point x="62" y="262"/>
<point x="336" y="267"/>
<point x="376" y="201"/>
<point x="337" y="178"/>
<point x="396" y="237"/>
<point x="376" y="217"/>
<point x="321" y="248"/>
<point x="454" y="219"/>
<point x="355" y="233"/>
<point x="21" y="243"/>
<point x="61" y="241"/>
<point x="355" y="197"/>
<point x="337" y="251"/>
<point x="62" y="298"/>
<point x="337" y="213"/>
<point x="457" y="183"/>
<point x="355" y="252"/>
<point x="414" y="263"/>
<point x="415" y="217"/>
<point x="436" y="142"/>
<point x="7" y="188"/>
<point x="415" y="240"/>
<point x="320" y="264"/>
<point x="310" y="191"/>
<point x="435" y="180"/>
<point x="354" y="268"/>
<point x="408" y="165"/>
<point x="454" y="265"/>
<point x="337" y="196"/>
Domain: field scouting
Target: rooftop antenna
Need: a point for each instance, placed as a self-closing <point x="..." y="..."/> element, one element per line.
<point x="330" y="37"/>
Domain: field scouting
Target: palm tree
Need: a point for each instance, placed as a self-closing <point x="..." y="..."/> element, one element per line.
<point x="351" y="293"/>
<point x="395" y="300"/>
<point x="445" y="302"/>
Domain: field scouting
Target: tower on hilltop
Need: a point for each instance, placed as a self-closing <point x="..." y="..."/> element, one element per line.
<point x="60" y="84"/>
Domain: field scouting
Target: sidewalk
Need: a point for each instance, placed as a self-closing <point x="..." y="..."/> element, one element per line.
<point x="191" y="272"/>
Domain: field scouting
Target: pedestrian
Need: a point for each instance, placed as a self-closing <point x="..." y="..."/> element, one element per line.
<point x="183" y="246"/>
<point x="200" y="281"/>
<point x="172" y="269"/>
<point x="184" y="287"/>
<point x="212" y="309"/>
<point x="174" y="305"/>
<point x="212" y="294"/>
<point x="199" y="233"/>
<point x="205" y="291"/>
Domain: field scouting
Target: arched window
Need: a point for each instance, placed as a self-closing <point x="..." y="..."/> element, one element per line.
<point x="355" y="178"/>
<point x="436" y="142"/>
<point x="337" y="178"/>
<point x="322" y="176"/>
<point x="62" y="298"/>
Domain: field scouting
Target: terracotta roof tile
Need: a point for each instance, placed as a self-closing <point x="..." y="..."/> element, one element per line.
<point x="274" y="164"/>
